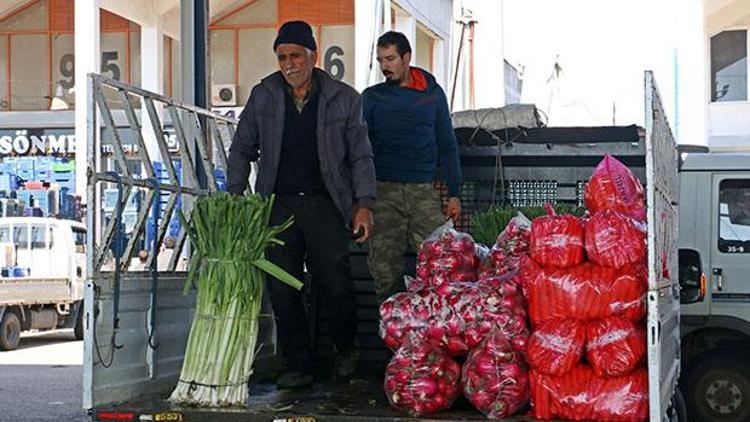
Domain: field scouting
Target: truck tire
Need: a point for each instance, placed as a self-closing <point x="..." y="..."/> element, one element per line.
<point x="10" y="331"/>
<point x="678" y="410"/>
<point x="78" y="328"/>
<point x="718" y="389"/>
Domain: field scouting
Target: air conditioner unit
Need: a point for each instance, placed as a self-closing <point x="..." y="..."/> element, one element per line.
<point x="224" y="95"/>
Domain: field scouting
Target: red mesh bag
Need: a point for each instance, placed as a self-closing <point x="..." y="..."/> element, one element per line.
<point x="457" y="316"/>
<point x="615" y="240"/>
<point x="445" y="256"/>
<point x="421" y="379"/>
<point x="613" y="186"/>
<point x="494" y="377"/>
<point x="584" y="292"/>
<point x="615" y="346"/>
<point x="557" y="240"/>
<point x="556" y="346"/>
<point x="510" y="245"/>
<point x="580" y="395"/>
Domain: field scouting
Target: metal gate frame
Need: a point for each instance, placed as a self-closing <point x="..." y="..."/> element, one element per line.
<point x="130" y="349"/>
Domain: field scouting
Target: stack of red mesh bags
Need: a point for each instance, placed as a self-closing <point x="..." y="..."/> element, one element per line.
<point x="447" y="312"/>
<point x="585" y="284"/>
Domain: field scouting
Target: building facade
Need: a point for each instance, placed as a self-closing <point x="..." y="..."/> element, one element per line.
<point x="48" y="46"/>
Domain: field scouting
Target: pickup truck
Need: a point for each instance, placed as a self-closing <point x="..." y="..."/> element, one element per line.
<point x="137" y="322"/>
<point x="43" y="271"/>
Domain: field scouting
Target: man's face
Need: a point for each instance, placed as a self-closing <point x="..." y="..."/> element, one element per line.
<point x="296" y="63"/>
<point x="744" y="203"/>
<point x="393" y="66"/>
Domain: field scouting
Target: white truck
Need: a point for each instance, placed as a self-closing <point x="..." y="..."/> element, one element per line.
<point x="714" y="261"/>
<point x="137" y="322"/>
<point x="43" y="272"/>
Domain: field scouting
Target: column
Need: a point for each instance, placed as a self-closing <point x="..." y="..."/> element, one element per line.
<point x="152" y="79"/>
<point x="87" y="60"/>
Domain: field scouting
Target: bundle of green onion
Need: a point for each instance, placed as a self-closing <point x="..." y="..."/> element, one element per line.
<point x="229" y="236"/>
<point x="486" y="226"/>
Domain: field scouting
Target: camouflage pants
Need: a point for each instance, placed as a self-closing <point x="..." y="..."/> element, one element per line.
<point x="404" y="213"/>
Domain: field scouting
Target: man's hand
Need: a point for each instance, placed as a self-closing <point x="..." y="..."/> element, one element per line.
<point x="362" y="224"/>
<point x="454" y="209"/>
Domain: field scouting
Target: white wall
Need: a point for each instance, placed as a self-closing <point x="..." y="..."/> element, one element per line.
<point x="728" y="124"/>
<point x="435" y="15"/>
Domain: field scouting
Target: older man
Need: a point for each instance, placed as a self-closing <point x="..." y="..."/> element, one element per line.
<point x="307" y="132"/>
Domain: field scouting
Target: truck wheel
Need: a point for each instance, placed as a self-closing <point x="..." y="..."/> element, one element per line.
<point x="679" y="408"/>
<point x="718" y="389"/>
<point x="10" y="331"/>
<point x="78" y="329"/>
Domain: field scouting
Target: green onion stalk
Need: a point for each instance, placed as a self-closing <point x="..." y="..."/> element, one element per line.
<point x="487" y="225"/>
<point x="229" y="235"/>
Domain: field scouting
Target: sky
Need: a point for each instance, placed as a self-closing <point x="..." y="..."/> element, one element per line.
<point x="602" y="48"/>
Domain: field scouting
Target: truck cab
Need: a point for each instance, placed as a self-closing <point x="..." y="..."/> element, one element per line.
<point x="714" y="263"/>
<point x="42" y="273"/>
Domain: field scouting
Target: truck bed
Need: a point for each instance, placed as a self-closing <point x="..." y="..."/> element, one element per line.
<point x="357" y="400"/>
<point x="34" y="291"/>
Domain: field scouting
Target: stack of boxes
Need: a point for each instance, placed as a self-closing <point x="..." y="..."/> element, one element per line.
<point x="42" y="185"/>
<point x="174" y="224"/>
<point x="63" y="172"/>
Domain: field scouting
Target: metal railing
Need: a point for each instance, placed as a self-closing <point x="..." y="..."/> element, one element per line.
<point x="202" y="138"/>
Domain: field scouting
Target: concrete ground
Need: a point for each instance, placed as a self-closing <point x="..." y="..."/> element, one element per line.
<point x="41" y="380"/>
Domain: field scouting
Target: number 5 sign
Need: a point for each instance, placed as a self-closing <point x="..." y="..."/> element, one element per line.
<point x="67" y="67"/>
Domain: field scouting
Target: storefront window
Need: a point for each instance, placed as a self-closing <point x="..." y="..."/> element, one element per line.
<point x="63" y="68"/>
<point x="254" y="25"/>
<point x="256" y="61"/>
<point x="260" y="12"/>
<point x="134" y="78"/>
<point x="41" y="81"/>
<point x="32" y="17"/>
<point x="176" y="70"/>
<point x="4" y="100"/>
<point x="337" y="52"/>
<point x="423" y="57"/>
<point x="222" y="56"/>
<point x="29" y="83"/>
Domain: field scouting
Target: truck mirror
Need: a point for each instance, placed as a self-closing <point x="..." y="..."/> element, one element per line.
<point x="692" y="279"/>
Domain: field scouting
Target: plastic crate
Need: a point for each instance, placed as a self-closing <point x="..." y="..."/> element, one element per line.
<point x="8" y="182"/>
<point x="26" y="174"/>
<point x="10" y="165"/>
<point x="63" y="165"/>
<point x="110" y="200"/>
<point x="26" y="164"/>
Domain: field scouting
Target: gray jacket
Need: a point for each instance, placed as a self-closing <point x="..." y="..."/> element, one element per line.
<point x="344" y="151"/>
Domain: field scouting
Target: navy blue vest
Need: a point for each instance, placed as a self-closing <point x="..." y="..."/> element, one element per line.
<point x="299" y="166"/>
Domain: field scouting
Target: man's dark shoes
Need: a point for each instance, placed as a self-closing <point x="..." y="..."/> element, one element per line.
<point x="292" y="380"/>
<point x="346" y="362"/>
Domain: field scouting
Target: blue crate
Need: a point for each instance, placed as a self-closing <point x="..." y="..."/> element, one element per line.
<point x="26" y="164"/>
<point x="26" y="174"/>
<point x="43" y="163"/>
<point x="43" y="199"/>
<point x="221" y="180"/>
<point x="8" y="182"/>
<point x="62" y="176"/>
<point x="110" y="200"/>
<point x="11" y="163"/>
<point x="43" y="175"/>
<point x="67" y="205"/>
<point x="23" y="195"/>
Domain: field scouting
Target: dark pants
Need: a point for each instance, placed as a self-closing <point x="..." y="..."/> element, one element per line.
<point x="319" y="242"/>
